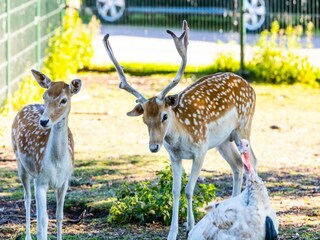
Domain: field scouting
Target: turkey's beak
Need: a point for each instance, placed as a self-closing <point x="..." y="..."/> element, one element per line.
<point x="240" y="148"/>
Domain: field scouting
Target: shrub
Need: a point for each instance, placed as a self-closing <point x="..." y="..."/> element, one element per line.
<point x="275" y="60"/>
<point x="225" y="62"/>
<point x="147" y="202"/>
<point x="70" y="47"/>
<point x="272" y="65"/>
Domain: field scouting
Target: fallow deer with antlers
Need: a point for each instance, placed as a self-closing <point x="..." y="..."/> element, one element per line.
<point x="210" y="113"/>
<point x="43" y="145"/>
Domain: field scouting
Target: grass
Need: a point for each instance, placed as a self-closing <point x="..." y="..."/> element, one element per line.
<point x="151" y="69"/>
<point x="10" y="186"/>
<point x="111" y="148"/>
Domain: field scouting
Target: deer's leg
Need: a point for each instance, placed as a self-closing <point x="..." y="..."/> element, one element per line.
<point x="176" y="166"/>
<point x="194" y="174"/>
<point x="60" y="196"/>
<point x="42" y="215"/>
<point x="25" y="179"/>
<point x="230" y="153"/>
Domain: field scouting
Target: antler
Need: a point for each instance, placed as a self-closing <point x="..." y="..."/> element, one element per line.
<point x="123" y="82"/>
<point x="181" y="45"/>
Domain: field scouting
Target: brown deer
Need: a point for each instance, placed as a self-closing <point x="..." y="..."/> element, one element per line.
<point x="210" y="113"/>
<point x="43" y="145"/>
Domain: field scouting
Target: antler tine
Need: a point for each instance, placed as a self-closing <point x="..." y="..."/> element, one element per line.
<point x="181" y="44"/>
<point x="123" y="82"/>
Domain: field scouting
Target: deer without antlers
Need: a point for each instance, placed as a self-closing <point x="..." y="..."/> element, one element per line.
<point x="43" y="145"/>
<point x="210" y="113"/>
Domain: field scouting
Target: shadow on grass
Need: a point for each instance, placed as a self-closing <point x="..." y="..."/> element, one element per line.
<point x="284" y="183"/>
<point x="306" y="232"/>
<point x="94" y="184"/>
<point x="106" y="232"/>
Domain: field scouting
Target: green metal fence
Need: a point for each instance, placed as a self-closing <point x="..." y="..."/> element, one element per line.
<point x="25" y="28"/>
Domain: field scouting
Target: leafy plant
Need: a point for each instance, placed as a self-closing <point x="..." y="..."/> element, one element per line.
<point x="29" y="91"/>
<point x="70" y="48"/>
<point x="146" y="201"/>
<point x="276" y="62"/>
<point x="225" y="62"/>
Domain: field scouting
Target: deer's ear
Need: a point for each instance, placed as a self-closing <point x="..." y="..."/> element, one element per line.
<point x="172" y="100"/>
<point x="42" y="79"/>
<point x="137" y="111"/>
<point x="75" y="86"/>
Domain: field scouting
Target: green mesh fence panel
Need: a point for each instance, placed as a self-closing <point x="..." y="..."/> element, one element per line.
<point x="3" y="57"/>
<point x="25" y="28"/>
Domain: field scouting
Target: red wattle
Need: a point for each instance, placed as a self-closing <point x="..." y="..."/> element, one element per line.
<point x="247" y="160"/>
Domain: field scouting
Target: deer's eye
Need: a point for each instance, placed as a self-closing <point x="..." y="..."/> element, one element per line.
<point x="63" y="101"/>
<point x="164" y="117"/>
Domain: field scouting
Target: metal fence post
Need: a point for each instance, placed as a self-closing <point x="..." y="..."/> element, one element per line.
<point x="242" y="38"/>
<point x="61" y="12"/>
<point x="8" y="53"/>
<point x="37" y="20"/>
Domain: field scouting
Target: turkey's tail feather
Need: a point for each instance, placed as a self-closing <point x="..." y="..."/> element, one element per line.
<point x="271" y="233"/>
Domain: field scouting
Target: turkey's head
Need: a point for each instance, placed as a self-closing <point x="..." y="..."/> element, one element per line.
<point x="244" y="149"/>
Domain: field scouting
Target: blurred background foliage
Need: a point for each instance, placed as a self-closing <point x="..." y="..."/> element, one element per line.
<point x="70" y="50"/>
<point x="274" y="60"/>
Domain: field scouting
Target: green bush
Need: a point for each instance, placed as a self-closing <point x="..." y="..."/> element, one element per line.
<point x="225" y="62"/>
<point x="275" y="60"/>
<point x="70" y="48"/>
<point x="276" y="53"/>
<point x="28" y="91"/>
<point x="274" y="66"/>
<point x="147" y="202"/>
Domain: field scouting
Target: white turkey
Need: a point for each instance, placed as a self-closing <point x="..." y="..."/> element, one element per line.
<point x="246" y="216"/>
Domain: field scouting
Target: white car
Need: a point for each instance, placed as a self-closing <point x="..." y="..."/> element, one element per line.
<point x="113" y="10"/>
<point x="258" y="13"/>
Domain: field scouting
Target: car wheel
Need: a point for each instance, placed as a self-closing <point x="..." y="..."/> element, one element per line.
<point x="110" y="10"/>
<point x="255" y="14"/>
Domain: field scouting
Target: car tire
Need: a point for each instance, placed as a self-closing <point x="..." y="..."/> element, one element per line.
<point x="110" y="10"/>
<point x="255" y="15"/>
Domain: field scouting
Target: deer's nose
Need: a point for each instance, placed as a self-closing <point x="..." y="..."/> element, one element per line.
<point x="154" y="147"/>
<point x="44" y="123"/>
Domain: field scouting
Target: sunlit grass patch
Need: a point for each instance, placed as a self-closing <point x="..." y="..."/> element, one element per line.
<point x="10" y="185"/>
<point x="95" y="182"/>
<point x="306" y="232"/>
